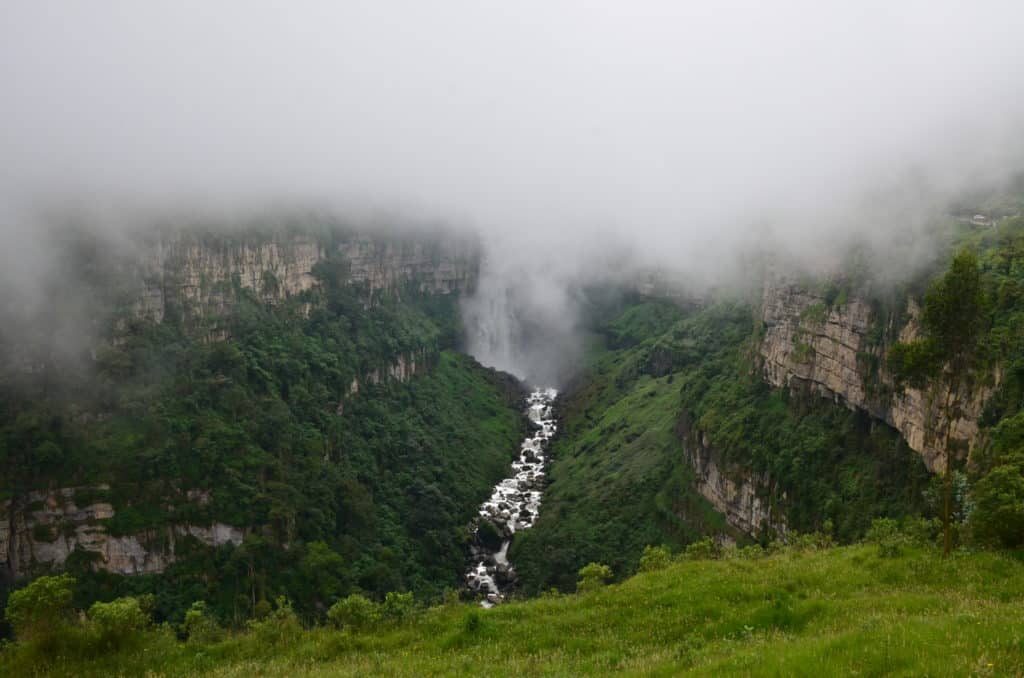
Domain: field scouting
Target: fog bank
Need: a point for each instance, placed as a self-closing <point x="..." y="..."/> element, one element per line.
<point x="566" y="132"/>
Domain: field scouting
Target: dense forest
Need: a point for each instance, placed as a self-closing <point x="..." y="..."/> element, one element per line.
<point x="661" y="374"/>
<point x="335" y="490"/>
<point x="355" y="503"/>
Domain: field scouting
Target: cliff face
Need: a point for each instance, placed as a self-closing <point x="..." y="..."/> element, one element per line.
<point x="828" y="349"/>
<point x="196" y="274"/>
<point x="198" y="277"/>
<point x="403" y="369"/>
<point x="43" y="534"/>
<point x="740" y="496"/>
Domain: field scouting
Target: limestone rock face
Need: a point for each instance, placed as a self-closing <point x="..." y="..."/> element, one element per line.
<point x="43" y="533"/>
<point x="404" y="368"/>
<point x="431" y="267"/>
<point x="197" y="274"/>
<point x="808" y="345"/>
<point x="740" y="496"/>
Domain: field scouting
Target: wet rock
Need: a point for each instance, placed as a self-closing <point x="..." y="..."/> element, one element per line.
<point x="512" y="506"/>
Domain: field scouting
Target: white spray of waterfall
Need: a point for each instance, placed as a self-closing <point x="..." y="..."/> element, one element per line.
<point x="523" y="318"/>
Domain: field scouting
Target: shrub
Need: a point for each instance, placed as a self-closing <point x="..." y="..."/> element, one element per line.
<point x="38" y="610"/>
<point x="355" y="612"/>
<point x="921" y="531"/>
<point x="279" y="627"/>
<point x="702" y="549"/>
<point x="199" y="626"/>
<point x="752" y="552"/>
<point x="885" y="532"/>
<point x="262" y="609"/>
<point x="117" y="623"/>
<point x="398" y="607"/>
<point x="998" y="516"/>
<point x="593" y="576"/>
<point x="472" y="622"/>
<point x="810" y="541"/>
<point x="451" y="597"/>
<point x="655" y="558"/>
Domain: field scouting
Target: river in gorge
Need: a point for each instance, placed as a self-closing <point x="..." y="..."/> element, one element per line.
<point x="512" y="507"/>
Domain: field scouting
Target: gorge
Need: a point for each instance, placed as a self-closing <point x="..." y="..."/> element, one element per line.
<point x="741" y="418"/>
<point x="513" y="506"/>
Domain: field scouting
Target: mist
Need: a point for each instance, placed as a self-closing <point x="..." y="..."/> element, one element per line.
<point x="579" y="138"/>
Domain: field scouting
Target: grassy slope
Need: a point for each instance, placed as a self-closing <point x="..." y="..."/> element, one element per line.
<point x="842" y="611"/>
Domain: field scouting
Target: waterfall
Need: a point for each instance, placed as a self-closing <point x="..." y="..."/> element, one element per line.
<point x="513" y="506"/>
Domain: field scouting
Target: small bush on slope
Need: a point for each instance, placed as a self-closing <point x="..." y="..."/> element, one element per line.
<point x="593" y="576"/>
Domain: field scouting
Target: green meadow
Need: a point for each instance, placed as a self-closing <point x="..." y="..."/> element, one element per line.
<point x="801" y="611"/>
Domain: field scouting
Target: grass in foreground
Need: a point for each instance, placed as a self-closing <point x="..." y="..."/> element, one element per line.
<point x="841" y="611"/>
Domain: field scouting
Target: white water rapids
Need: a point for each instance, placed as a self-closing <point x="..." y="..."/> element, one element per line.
<point x="513" y="505"/>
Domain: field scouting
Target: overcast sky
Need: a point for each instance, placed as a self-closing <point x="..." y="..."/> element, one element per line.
<point x="677" y="129"/>
<point x="660" y="118"/>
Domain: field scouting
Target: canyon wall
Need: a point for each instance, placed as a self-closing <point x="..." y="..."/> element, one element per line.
<point x="741" y="497"/>
<point x="194" y="276"/>
<point x="197" y="274"/>
<point x="42" y="534"/>
<point x="837" y="349"/>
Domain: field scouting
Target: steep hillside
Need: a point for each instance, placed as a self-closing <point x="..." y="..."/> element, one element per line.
<point x="325" y="438"/>
<point x="815" y="404"/>
<point x="671" y="434"/>
<point x="618" y="480"/>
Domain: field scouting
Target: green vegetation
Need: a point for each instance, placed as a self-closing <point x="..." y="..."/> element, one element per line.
<point x="338" y="492"/>
<point x="668" y="380"/>
<point x="973" y="322"/>
<point x="954" y="318"/>
<point x="593" y="576"/>
<point x="799" y="610"/>
<point x="356" y="504"/>
<point x="617" y="480"/>
<point x="826" y="463"/>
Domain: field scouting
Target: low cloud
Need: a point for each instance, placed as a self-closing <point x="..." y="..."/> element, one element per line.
<point x="679" y="133"/>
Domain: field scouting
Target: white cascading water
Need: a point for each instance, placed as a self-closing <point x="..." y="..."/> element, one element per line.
<point x="514" y="504"/>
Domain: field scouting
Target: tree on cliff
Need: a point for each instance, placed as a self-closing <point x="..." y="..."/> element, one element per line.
<point x="953" y="321"/>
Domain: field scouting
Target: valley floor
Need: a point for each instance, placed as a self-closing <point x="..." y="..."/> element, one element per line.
<point x="799" y="612"/>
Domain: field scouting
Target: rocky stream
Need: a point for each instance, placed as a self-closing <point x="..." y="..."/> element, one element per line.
<point x="513" y="506"/>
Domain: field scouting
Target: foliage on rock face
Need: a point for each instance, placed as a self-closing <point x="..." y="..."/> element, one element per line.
<point x="955" y="313"/>
<point x="368" y="491"/>
<point x="619" y="477"/>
